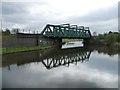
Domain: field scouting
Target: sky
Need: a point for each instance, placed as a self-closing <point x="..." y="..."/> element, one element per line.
<point x="100" y="16"/>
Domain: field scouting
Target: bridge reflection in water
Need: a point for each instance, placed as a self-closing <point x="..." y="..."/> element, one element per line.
<point x="66" y="59"/>
<point x="50" y="58"/>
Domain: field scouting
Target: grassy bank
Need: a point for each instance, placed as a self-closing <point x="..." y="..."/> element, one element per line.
<point x="70" y="40"/>
<point x="21" y="49"/>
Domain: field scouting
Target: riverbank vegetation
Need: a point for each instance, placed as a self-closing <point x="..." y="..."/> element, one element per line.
<point x="108" y="39"/>
<point x="21" y="49"/>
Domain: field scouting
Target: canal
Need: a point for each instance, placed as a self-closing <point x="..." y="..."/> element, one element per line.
<point x="80" y="67"/>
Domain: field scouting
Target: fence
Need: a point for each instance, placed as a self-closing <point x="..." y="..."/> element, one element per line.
<point x="25" y="31"/>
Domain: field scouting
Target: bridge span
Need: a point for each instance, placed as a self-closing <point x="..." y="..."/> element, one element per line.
<point x="66" y="31"/>
<point x="50" y="35"/>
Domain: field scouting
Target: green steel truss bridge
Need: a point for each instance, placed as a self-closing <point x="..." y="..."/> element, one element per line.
<point x="66" y="31"/>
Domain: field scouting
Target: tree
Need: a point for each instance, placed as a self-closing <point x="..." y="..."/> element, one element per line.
<point x="110" y="32"/>
<point x="15" y="30"/>
<point x="7" y="31"/>
<point x="111" y="38"/>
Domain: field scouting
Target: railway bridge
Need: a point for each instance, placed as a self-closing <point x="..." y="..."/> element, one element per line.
<point x="67" y="31"/>
<point x="50" y="35"/>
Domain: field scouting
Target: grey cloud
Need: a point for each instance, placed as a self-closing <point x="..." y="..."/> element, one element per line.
<point x="20" y="19"/>
<point x="100" y="21"/>
<point x="17" y="13"/>
<point x="97" y="16"/>
<point x="10" y="8"/>
<point x="43" y="80"/>
<point x="119" y="16"/>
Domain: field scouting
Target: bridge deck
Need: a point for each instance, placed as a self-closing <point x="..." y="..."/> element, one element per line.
<point x="66" y="31"/>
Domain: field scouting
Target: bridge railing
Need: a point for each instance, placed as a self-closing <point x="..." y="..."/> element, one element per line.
<point x="66" y="31"/>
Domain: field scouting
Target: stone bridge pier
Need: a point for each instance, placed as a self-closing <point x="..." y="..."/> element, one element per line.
<point x="43" y="40"/>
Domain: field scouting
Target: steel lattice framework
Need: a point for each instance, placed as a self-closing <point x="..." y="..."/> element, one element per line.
<point x="66" y="31"/>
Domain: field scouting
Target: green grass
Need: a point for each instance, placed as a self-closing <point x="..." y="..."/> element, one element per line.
<point x="21" y="49"/>
<point x="70" y="40"/>
<point x="7" y="37"/>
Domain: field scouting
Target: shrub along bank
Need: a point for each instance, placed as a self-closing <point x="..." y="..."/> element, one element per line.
<point x="110" y="39"/>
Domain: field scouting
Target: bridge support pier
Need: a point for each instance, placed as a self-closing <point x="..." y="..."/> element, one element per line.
<point x="86" y="42"/>
<point x="57" y="42"/>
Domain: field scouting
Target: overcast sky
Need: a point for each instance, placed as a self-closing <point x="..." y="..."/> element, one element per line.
<point x="100" y="15"/>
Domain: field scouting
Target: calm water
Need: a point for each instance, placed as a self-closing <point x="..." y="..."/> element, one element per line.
<point x="83" y="67"/>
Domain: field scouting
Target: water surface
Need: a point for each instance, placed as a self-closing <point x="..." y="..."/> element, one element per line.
<point x="82" y="67"/>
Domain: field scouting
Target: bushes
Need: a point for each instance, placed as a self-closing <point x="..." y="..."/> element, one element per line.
<point x="110" y="39"/>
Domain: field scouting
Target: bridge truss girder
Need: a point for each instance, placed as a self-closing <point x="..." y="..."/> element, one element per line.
<point x="66" y="31"/>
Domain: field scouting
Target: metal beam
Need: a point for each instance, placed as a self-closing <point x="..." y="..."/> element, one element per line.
<point x="66" y="31"/>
